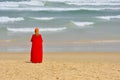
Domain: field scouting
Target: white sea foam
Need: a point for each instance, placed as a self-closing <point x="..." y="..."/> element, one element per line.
<point x="5" y="19"/>
<point x="82" y="24"/>
<point x="83" y="1"/>
<point x="32" y="29"/>
<point x="70" y="2"/>
<point x="21" y="3"/>
<point x="32" y="3"/>
<point x="109" y="17"/>
<point x="37" y="5"/>
<point x="40" y="9"/>
<point x="8" y="4"/>
<point x="94" y="4"/>
<point x="43" y="18"/>
<point x="56" y="9"/>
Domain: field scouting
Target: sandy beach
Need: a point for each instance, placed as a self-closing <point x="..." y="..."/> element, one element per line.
<point x="61" y="66"/>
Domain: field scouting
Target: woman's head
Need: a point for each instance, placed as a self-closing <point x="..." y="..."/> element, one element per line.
<point x="36" y="30"/>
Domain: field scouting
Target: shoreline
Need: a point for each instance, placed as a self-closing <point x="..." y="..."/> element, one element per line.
<point x="67" y="56"/>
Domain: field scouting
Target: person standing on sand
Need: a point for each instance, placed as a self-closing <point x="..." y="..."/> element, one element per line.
<point x="37" y="48"/>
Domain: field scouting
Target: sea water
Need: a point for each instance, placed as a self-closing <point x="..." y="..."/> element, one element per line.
<point x="66" y="25"/>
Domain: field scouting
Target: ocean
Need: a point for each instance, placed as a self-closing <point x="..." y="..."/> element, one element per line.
<point x="65" y="25"/>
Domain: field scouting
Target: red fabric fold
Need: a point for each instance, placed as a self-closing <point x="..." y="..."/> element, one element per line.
<point x="36" y="49"/>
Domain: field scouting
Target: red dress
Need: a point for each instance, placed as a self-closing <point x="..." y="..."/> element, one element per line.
<point x="37" y="49"/>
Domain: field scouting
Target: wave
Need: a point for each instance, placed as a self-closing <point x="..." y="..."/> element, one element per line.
<point x="21" y="3"/>
<point x="43" y="18"/>
<point x="93" y="4"/>
<point x="82" y="24"/>
<point x="109" y="17"/>
<point x="38" y="3"/>
<point x="69" y="2"/>
<point x="5" y="19"/>
<point x="88" y="2"/>
<point x="82" y="1"/>
<point x="57" y="9"/>
<point x="32" y="29"/>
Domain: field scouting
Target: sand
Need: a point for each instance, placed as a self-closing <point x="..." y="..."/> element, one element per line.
<point x="61" y="66"/>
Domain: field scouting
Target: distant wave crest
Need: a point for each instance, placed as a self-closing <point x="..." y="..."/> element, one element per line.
<point x="21" y="3"/>
<point x="94" y="4"/>
<point x="39" y="3"/>
<point x="83" y="1"/>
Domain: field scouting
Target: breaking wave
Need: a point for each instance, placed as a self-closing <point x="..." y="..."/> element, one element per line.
<point x="82" y="24"/>
<point x="109" y="17"/>
<point x="94" y="4"/>
<point x="32" y="29"/>
<point x="21" y="3"/>
<point x="43" y="18"/>
<point x="5" y="19"/>
<point x="57" y="9"/>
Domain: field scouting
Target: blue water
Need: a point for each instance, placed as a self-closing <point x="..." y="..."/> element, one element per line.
<point x="66" y="25"/>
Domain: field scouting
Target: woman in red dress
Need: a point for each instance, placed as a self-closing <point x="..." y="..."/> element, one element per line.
<point x="37" y="48"/>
